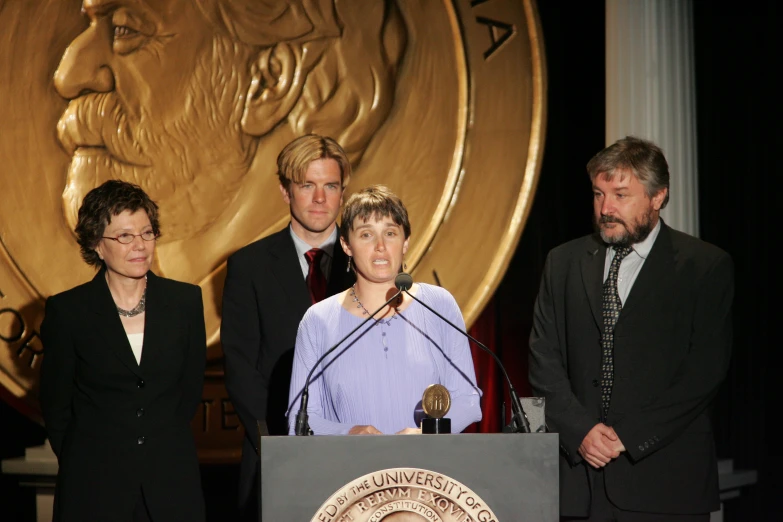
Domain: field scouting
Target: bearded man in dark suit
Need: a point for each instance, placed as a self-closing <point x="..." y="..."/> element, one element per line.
<point x="269" y="286"/>
<point x="630" y="342"/>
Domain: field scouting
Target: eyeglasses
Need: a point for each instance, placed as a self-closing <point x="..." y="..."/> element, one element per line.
<point x="127" y="238"/>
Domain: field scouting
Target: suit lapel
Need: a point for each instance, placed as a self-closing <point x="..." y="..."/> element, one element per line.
<point x="108" y="323"/>
<point x="155" y="320"/>
<point x="288" y="272"/>
<point x="654" y="275"/>
<point x="593" y="276"/>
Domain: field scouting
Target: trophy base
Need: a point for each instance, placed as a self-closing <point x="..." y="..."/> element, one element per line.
<point x="435" y="426"/>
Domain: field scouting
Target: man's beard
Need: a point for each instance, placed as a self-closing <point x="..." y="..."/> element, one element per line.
<point x="630" y="235"/>
<point x="192" y="164"/>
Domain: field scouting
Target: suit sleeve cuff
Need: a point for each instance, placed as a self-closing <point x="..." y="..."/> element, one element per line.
<point x="637" y="447"/>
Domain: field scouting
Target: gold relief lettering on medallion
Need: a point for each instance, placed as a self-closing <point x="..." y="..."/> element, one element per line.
<point x="499" y="33"/>
<point x="203" y="414"/>
<point x="229" y="419"/>
<point x="20" y="344"/>
<point x="11" y="325"/>
<point x="30" y="350"/>
<point x="216" y="426"/>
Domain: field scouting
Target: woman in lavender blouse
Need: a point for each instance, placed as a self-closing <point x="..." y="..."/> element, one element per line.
<point x="373" y="383"/>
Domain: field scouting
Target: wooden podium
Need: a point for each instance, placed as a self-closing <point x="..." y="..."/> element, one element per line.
<point x="505" y="477"/>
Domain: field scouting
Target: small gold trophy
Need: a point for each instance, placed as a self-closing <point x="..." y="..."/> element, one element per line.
<point x="436" y="402"/>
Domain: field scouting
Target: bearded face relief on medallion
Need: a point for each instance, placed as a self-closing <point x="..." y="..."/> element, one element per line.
<point x="189" y="99"/>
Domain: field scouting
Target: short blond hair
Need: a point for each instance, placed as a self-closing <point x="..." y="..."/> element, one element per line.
<point x="293" y="160"/>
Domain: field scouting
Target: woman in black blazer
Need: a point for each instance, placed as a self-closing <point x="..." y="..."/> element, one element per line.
<point x="123" y="372"/>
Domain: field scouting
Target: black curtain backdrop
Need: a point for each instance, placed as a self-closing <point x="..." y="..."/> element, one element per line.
<point x="737" y="61"/>
<point x="738" y="57"/>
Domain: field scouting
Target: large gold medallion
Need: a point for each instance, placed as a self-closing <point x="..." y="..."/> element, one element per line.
<point x="444" y="102"/>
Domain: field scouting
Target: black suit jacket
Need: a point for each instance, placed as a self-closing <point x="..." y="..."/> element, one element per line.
<point x="672" y="346"/>
<point x="264" y="299"/>
<point x="117" y="426"/>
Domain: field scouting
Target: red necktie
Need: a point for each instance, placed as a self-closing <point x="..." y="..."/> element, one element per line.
<point x="316" y="282"/>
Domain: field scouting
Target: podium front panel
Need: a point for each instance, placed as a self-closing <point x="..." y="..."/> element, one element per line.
<point x="515" y="475"/>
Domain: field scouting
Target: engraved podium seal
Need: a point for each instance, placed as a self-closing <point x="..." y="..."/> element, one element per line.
<point x="405" y="495"/>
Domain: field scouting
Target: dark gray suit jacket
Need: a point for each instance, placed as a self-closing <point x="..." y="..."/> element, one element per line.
<point x="672" y="346"/>
<point x="117" y="426"/>
<point x="264" y="299"/>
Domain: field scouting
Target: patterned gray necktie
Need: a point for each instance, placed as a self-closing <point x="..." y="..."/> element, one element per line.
<point x="611" y="311"/>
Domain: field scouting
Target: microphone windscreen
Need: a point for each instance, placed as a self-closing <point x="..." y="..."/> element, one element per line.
<point x="403" y="281"/>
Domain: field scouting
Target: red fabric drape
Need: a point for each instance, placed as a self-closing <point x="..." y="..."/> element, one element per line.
<point x="504" y="330"/>
<point x="488" y="375"/>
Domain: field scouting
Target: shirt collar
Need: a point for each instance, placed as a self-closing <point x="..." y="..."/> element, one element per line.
<point x="643" y="248"/>
<point x="302" y="246"/>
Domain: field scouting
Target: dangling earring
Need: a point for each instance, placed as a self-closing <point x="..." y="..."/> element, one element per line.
<point x="348" y="268"/>
<point x="404" y="265"/>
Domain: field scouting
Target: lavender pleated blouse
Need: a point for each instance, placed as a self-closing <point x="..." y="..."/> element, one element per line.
<point x="378" y="375"/>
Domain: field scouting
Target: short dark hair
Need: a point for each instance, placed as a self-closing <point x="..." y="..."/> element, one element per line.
<point x="102" y="203"/>
<point x="374" y="201"/>
<point x="642" y="158"/>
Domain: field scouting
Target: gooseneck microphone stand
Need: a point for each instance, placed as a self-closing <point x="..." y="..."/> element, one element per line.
<point x="519" y="422"/>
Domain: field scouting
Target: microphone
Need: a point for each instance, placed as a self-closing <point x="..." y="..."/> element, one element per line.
<point x="519" y="422"/>
<point x="302" y="426"/>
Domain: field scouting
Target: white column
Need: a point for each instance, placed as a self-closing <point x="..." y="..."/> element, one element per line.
<point x="650" y="91"/>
